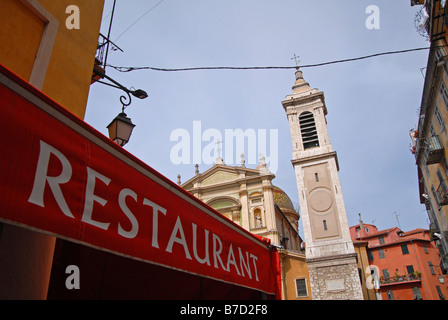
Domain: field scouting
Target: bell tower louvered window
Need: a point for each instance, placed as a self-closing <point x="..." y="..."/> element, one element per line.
<point x="308" y="130"/>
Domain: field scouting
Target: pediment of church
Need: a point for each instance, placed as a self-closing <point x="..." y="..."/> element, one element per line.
<point x="219" y="174"/>
<point x="220" y="177"/>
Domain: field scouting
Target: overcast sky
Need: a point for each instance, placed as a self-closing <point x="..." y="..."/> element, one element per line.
<point x="372" y="103"/>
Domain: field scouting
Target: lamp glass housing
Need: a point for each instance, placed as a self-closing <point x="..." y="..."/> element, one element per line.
<point x="120" y="129"/>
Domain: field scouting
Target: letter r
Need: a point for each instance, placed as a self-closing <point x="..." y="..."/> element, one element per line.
<point x="41" y="177"/>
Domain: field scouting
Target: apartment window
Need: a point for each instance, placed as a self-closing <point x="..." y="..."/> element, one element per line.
<point x="302" y="290"/>
<point x="434" y="194"/>
<point x="410" y="269"/>
<point x="386" y="273"/>
<point x="404" y="249"/>
<point x="381" y="254"/>
<point x="439" y="118"/>
<point x="370" y="255"/>
<point x="431" y="267"/>
<point x="432" y="130"/>
<point x="444" y="94"/>
<point x="440" y="176"/>
<point x="416" y="293"/>
<point x="308" y="130"/>
<point x="425" y="248"/>
<point x="425" y="166"/>
<point x="439" y="55"/>
<point x="381" y="239"/>
<point x="445" y="166"/>
<point x="390" y="295"/>
<point x="441" y="296"/>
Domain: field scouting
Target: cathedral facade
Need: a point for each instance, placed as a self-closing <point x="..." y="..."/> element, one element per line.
<point x="249" y="198"/>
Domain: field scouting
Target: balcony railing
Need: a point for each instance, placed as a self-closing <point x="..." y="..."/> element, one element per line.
<point x="99" y="68"/>
<point x="435" y="150"/>
<point x="399" y="279"/>
<point x="437" y="24"/>
<point x="442" y="193"/>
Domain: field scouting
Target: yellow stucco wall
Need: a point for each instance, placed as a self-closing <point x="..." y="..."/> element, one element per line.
<point x="294" y="267"/>
<point x="363" y="263"/>
<point x="72" y="54"/>
<point x="20" y="41"/>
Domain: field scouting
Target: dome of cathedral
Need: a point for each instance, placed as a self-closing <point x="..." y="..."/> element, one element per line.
<point x="282" y="199"/>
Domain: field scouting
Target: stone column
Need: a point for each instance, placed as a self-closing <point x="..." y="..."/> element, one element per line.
<point x="245" y="214"/>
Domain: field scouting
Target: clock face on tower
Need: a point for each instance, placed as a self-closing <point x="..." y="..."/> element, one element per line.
<point x="320" y="200"/>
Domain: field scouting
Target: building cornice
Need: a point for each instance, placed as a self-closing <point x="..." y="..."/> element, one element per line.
<point x="328" y="259"/>
<point x="317" y="157"/>
<point x="398" y="242"/>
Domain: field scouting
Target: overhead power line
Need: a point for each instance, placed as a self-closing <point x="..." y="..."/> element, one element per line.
<point x="127" y="29"/>
<point x="128" y="69"/>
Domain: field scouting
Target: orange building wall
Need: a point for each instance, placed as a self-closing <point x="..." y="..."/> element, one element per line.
<point x="396" y="261"/>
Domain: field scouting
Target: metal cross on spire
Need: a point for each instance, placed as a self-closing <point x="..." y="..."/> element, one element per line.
<point x="296" y="59"/>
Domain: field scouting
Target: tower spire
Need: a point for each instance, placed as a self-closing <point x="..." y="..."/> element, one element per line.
<point x="300" y="86"/>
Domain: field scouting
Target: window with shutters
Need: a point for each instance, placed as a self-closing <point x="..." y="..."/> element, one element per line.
<point x="439" y="118"/>
<point x="404" y="249"/>
<point x="301" y="288"/>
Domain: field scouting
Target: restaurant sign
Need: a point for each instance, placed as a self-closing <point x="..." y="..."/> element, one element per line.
<point x="60" y="176"/>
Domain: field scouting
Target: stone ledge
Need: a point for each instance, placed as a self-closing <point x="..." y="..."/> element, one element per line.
<point x="348" y="256"/>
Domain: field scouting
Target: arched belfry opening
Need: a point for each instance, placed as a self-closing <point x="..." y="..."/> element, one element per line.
<point x="308" y="130"/>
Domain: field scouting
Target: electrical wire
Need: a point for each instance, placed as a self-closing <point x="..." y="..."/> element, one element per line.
<point x="127" y="29"/>
<point x="129" y="69"/>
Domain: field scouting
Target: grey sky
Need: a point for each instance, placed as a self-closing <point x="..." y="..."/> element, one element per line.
<point x="372" y="104"/>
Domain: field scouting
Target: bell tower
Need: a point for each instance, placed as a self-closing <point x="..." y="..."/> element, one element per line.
<point x="330" y="253"/>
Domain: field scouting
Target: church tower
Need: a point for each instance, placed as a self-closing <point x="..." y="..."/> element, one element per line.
<point x="330" y="252"/>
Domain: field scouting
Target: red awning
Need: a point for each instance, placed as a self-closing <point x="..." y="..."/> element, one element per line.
<point x="62" y="177"/>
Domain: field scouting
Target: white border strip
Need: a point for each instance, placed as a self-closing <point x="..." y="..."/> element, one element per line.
<point x="43" y="55"/>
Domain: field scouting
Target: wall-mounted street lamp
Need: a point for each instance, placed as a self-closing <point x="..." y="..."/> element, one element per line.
<point x="441" y="273"/>
<point x="120" y="129"/>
